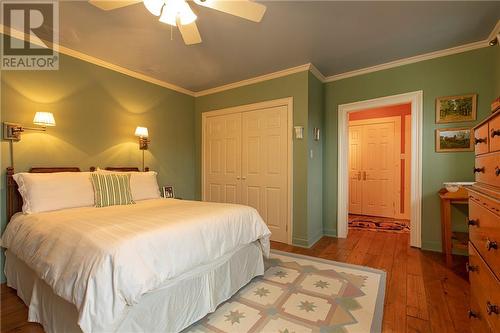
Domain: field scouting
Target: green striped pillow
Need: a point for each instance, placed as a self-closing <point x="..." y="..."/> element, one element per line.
<point x="111" y="189"/>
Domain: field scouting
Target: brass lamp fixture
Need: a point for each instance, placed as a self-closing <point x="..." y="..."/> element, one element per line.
<point x="142" y="133"/>
<point x="12" y="131"/>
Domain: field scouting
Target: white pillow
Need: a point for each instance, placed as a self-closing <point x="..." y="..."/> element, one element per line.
<point x="44" y="192"/>
<point x="143" y="185"/>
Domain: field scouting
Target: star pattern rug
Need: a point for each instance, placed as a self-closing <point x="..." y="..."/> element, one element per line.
<point x="375" y="223"/>
<point x="300" y="294"/>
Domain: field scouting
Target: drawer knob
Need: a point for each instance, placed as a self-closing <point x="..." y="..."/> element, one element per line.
<point x="495" y="132"/>
<point x="472" y="222"/>
<point x="491" y="308"/>
<point x="491" y="245"/>
<point x="470" y="268"/>
<point x="479" y="140"/>
<point x="473" y="314"/>
<point x="481" y="169"/>
<point x="497" y="171"/>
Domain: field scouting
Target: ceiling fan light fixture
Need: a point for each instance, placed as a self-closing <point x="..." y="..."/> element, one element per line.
<point x="154" y="6"/>
<point x="177" y="9"/>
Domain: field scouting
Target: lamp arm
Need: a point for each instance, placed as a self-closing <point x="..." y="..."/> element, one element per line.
<point x="41" y="128"/>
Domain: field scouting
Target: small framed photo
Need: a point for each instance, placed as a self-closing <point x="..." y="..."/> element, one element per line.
<point x="454" y="139"/>
<point x="455" y="109"/>
<point x="168" y="191"/>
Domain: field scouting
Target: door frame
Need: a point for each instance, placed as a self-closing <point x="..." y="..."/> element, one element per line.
<point x="288" y="102"/>
<point x="416" y="100"/>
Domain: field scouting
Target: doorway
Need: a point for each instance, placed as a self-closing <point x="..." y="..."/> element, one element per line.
<point x="381" y="204"/>
<point x="379" y="168"/>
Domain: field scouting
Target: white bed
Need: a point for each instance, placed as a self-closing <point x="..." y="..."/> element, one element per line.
<point x="158" y="265"/>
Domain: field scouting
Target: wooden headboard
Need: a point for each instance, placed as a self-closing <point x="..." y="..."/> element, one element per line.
<point x="14" y="199"/>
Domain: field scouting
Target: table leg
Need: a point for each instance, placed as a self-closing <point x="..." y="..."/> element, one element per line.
<point x="446" y="230"/>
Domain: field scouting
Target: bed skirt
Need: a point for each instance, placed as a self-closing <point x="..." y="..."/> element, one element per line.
<point x="171" y="308"/>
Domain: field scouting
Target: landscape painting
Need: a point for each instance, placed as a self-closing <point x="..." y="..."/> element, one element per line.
<point x="454" y="139"/>
<point x="454" y="109"/>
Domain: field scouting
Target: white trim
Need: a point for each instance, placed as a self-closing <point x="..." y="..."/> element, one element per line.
<point x="288" y="102"/>
<point x="410" y="60"/>
<point x="416" y="100"/>
<point x="317" y="73"/>
<point x="257" y="79"/>
<point x="99" y="62"/>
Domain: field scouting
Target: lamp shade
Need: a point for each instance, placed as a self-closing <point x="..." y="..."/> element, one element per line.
<point x="154" y="6"/>
<point x="141" y="132"/>
<point x="44" y="119"/>
<point x="177" y="9"/>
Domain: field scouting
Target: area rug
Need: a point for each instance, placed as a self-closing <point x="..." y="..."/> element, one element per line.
<point x="300" y="294"/>
<point x="375" y="223"/>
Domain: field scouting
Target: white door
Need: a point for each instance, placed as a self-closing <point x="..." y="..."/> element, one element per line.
<point x="223" y="158"/>
<point x="378" y="169"/>
<point x="372" y="165"/>
<point x="355" y="169"/>
<point x="265" y="167"/>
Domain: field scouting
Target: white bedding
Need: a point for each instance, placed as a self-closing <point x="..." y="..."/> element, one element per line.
<point x="103" y="259"/>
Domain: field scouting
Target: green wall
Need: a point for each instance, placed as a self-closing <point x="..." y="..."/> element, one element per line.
<point x="315" y="169"/>
<point x="456" y="74"/>
<point x="96" y="111"/>
<point x="296" y="86"/>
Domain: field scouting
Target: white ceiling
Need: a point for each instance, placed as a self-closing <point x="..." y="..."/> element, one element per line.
<point x="334" y="36"/>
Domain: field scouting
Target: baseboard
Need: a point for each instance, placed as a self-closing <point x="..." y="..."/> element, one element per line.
<point x="307" y="243"/>
<point x="436" y="247"/>
<point x="330" y="232"/>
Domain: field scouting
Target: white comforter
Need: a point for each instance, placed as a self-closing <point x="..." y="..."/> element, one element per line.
<point x="104" y="259"/>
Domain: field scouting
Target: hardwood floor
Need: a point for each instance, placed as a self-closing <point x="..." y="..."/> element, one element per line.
<point x="422" y="294"/>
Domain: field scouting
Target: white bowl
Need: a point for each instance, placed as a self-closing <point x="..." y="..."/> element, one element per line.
<point x="454" y="186"/>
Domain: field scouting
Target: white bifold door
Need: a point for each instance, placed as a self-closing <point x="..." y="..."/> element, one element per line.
<point x="246" y="162"/>
<point x="372" y="164"/>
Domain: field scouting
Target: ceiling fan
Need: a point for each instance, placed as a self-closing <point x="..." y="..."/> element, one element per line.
<point x="179" y="13"/>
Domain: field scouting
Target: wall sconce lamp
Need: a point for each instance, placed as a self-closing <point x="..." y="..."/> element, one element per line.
<point x="142" y="133"/>
<point x="12" y="131"/>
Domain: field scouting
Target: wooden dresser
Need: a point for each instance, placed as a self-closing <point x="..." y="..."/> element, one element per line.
<point x="484" y="228"/>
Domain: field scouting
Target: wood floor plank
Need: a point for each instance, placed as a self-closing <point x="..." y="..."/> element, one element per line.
<point x="423" y="295"/>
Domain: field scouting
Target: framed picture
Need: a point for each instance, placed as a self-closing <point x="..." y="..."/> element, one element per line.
<point x="455" y="109"/>
<point x="168" y="191"/>
<point x="454" y="139"/>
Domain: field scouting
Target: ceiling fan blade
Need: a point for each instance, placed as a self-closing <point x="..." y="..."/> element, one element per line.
<point x="112" y="4"/>
<point x="246" y="9"/>
<point x="190" y="33"/>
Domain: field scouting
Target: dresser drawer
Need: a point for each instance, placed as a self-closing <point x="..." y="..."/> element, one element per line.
<point x="487" y="169"/>
<point x="477" y="316"/>
<point x="484" y="233"/>
<point x="484" y="289"/>
<point x="494" y="128"/>
<point x="481" y="139"/>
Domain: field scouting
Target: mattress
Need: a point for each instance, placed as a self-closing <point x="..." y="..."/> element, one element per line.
<point x="172" y="308"/>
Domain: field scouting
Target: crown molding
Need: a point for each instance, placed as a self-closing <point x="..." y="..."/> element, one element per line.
<point x="317" y="73"/>
<point x="257" y="79"/>
<point x="418" y="58"/>
<point x="96" y="61"/>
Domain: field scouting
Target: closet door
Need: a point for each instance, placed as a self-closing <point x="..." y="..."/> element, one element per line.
<point x="264" y="167"/>
<point x="378" y="165"/>
<point x="223" y="158"/>
<point x="355" y="169"/>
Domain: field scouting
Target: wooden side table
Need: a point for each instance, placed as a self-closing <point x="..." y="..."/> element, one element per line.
<point x="447" y="235"/>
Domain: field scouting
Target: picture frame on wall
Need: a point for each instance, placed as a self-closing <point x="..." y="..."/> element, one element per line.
<point x="454" y="139"/>
<point x="168" y="192"/>
<point x="456" y="109"/>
